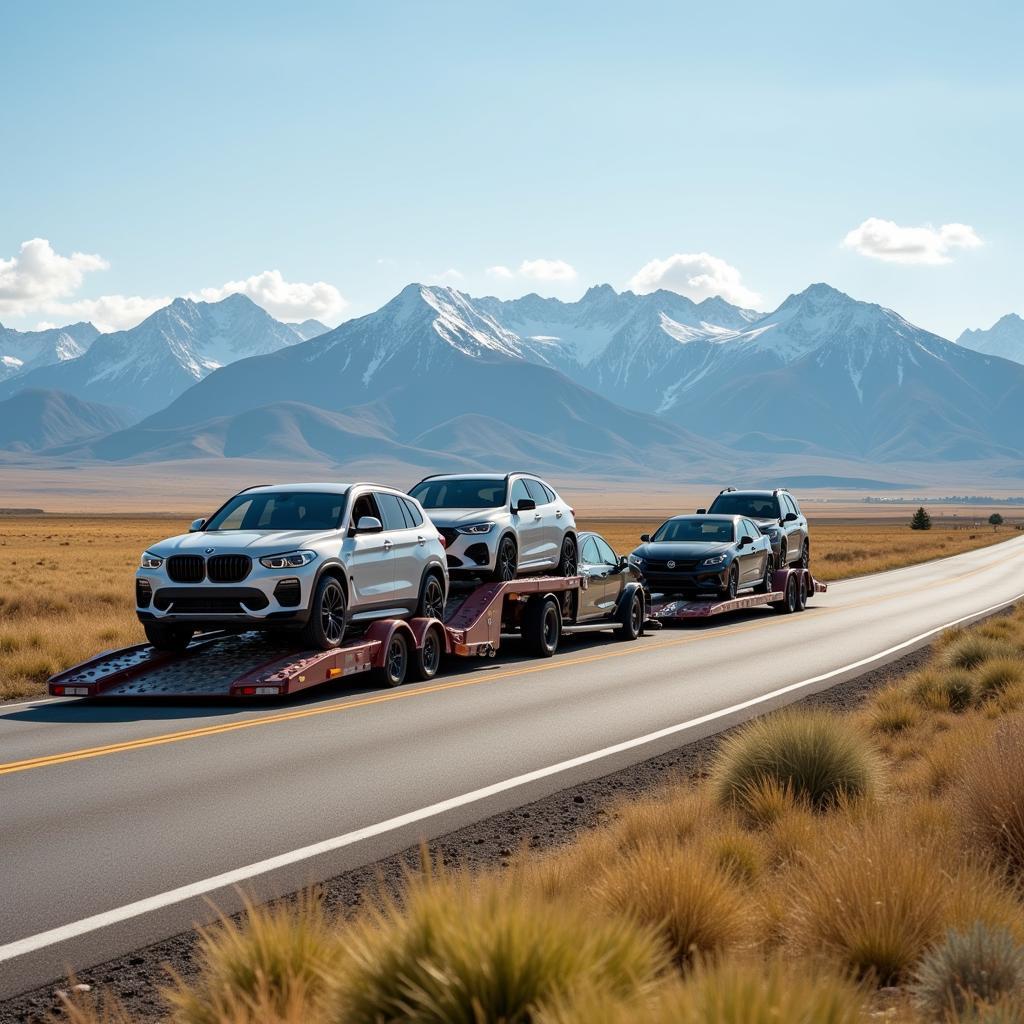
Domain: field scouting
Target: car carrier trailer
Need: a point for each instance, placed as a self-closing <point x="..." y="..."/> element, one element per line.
<point x="225" y="664"/>
<point x="791" y="590"/>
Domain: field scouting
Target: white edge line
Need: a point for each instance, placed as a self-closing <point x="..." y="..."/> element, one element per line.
<point x="32" y="943"/>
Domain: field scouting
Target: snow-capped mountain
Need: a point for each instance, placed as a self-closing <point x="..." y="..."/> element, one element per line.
<point x="21" y="351"/>
<point x="309" y="329"/>
<point x="431" y="370"/>
<point x="142" y="369"/>
<point x="1005" y="338"/>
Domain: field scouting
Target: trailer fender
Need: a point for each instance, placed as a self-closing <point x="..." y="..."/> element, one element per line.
<point x="419" y="629"/>
<point x="626" y="599"/>
<point x="381" y="632"/>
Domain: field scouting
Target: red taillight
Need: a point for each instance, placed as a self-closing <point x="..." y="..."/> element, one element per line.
<point x="572" y="511"/>
<point x="444" y="543"/>
<point x="57" y="691"/>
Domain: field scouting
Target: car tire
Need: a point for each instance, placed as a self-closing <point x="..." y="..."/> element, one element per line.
<point x="426" y="659"/>
<point x="568" y="559"/>
<point x="542" y="627"/>
<point x="632" y="619"/>
<point x="732" y="586"/>
<point x="783" y="553"/>
<point x="805" y="556"/>
<point x="167" y="636"/>
<point x="325" y="627"/>
<point x="431" y="600"/>
<point x="396" y="659"/>
<point x="765" y="586"/>
<point x="506" y="562"/>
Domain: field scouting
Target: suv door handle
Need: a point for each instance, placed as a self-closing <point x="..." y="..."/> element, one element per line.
<point x="388" y="545"/>
<point x="558" y="514"/>
<point x="537" y="516"/>
<point x="420" y="540"/>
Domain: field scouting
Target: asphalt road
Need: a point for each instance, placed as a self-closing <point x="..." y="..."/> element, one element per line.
<point x="120" y="824"/>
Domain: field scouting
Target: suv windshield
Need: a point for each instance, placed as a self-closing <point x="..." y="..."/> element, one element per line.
<point x="710" y="531"/>
<point x="755" y="506"/>
<point x="464" y="492"/>
<point x="280" y="510"/>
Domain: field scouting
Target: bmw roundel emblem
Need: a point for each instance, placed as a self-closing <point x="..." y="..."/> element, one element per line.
<point x="210" y="551"/>
<point x="671" y="565"/>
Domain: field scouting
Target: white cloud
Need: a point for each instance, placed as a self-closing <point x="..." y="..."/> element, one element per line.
<point x="38" y="275"/>
<point x="108" y="312"/>
<point x="697" y="276"/>
<point x="44" y="325"/>
<point x="449" y="276"/>
<point x="887" y="240"/>
<point x="500" y="273"/>
<point x="547" y="270"/>
<point x="286" y="300"/>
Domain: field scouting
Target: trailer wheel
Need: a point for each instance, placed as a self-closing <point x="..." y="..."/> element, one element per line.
<point x="801" y="592"/>
<point x="167" y="636"/>
<point x="633" y="620"/>
<point x="542" y="627"/>
<point x="788" y="604"/>
<point x="396" y="660"/>
<point x="426" y="659"/>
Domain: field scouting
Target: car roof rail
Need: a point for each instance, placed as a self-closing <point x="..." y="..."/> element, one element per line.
<point x="252" y="487"/>
<point x="726" y="490"/>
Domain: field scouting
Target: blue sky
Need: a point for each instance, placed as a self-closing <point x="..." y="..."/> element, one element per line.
<point x="193" y="147"/>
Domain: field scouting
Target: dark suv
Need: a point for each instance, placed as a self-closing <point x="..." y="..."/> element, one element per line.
<point x="778" y="515"/>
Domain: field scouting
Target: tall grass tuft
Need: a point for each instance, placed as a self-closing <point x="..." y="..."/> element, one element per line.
<point x="996" y="675"/>
<point x="273" y="966"/>
<point x="818" y="757"/>
<point x="870" y="900"/>
<point x="696" y="905"/>
<point x="971" y="650"/>
<point x="991" y="797"/>
<point x="981" y="965"/>
<point x="469" y="951"/>
<point x="945" y="690"/>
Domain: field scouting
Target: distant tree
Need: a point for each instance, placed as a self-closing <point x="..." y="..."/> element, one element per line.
<point x="921" y="520"/>
<point x="995" y="520"/>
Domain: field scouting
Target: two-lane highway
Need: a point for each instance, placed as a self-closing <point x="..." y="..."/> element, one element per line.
<point x="119" y="822"/>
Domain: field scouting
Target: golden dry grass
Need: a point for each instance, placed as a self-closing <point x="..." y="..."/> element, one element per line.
<point x="839" y="550"/>
<point x="66" y="581"/>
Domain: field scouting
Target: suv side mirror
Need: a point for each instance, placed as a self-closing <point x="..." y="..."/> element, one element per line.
<point x="790" y="517"/>
<point x="746" y="541"/>
<point x="526" y="505"/>
<point x="196" y="525"/>
<point x="645" y="537"/>
<point x="702" y="511"/>
<point x="369" y="524"/>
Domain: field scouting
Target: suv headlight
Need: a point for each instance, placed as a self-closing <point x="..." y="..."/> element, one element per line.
<point x="150" y="561"/>
<point x="638" y="561"/>
<point x="714" y="560"/>
<point x="288" y="560"/>
<point x="476" y="528"/>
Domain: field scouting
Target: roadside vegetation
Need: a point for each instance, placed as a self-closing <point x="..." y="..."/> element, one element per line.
<point x="826" y="868"/>
<point x="66" y="589"/>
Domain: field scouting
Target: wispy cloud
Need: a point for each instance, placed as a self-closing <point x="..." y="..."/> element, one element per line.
<point x="286" y="300"/>
<point x="547" y="270"/>
<point x="697" y="276"/>
<point x="887" y="240"/>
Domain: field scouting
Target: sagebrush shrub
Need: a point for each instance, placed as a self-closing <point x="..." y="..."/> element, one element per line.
<point x="820" y="758"/>
<point x="971" y="650"/>
<point x="995" y="675"/>
<point x="945" y="690"/>
<point x="981" y="965"/>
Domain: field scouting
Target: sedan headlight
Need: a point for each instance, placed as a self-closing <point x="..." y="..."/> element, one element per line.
<point x="150" y="561"/>
<point x="288" y="560"/>
<point x="476" y="528"/>
<point x="714" y="560"/>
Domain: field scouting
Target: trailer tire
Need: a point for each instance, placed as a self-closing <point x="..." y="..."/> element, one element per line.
<point x="632" y="618"/>
<point x="801" y="592"/>
<point x="788" y="604"/>
<point x="171" y="637"/>
<point x="542" y="627"/>
<point x="426" y="659"/>
<point x="396" y="659"/>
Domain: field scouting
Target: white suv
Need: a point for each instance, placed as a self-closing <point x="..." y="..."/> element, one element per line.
<point x="501" y="526"/>
<point x="314" y="558"/>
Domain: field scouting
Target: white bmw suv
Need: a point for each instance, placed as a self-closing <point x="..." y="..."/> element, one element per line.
<point x="312" y="558"/>
<point x="501" y="526"/>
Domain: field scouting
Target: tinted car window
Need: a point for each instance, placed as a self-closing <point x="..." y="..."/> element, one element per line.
<point x="754" y="505"/>
<point x="412" y="513"/>
<point x="589" y="552"/>
<point x="794" y="503"/>
<point x="604" y="550"/>
<point x="790" y="505"/>
<point x="550" y="493"/>
<point x="537" y="492"/>
<point x="365" y="505"/>
<point x="392" y="509"/>
<point x="519" y="492"/>
<point x="750" y="529"/>
<point x="465" y="492"/>
<point x="711" y="531"/>
<point x="280" y="510"/>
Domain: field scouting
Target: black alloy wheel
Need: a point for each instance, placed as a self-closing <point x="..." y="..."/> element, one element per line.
<point x="431" y="604"/>
<point x="396" y="660"/>
<point x="568" y="563"/>
<point x="506" y="565"/>
<point x="733" y="585"/>
<point x="805" y="556"/>
<point x="783" y="553"/>
<point x="426" y="659"/>
<point x="325" y="628"/>
<point x="765" y="586"/>
<point x="788" y="604"/>
<point x="542" y="627"/>
<point x="801" y="593"/>
<point x="633" y="625"/>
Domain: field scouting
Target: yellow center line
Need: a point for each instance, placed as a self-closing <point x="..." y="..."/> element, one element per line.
<point x="475" y="679"/>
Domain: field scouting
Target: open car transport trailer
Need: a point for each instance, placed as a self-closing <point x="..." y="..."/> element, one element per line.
<point x="227" y="664"/>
